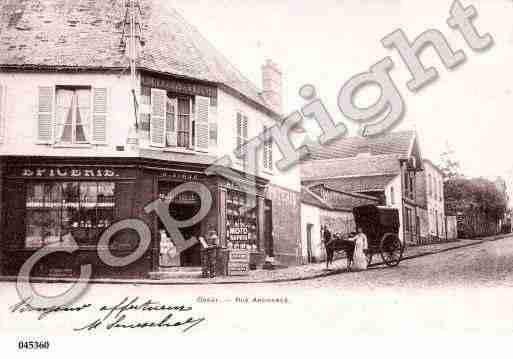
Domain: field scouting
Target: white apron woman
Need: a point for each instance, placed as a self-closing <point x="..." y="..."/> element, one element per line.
<point x="360" y="246"/>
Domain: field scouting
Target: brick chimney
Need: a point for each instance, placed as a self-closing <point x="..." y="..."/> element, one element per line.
<point x="272" y="85"/>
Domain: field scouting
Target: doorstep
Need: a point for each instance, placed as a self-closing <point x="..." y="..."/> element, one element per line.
<point x="176" y="273"/>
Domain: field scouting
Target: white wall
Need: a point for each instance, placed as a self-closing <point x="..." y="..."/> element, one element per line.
<point x="20" y="131"/>
<point x="228" y="106"/>
<point x="21" y="91"/>
<point x="434" y="204"/>
<point x="396" y="183"/>
<point x="311" y="214"/>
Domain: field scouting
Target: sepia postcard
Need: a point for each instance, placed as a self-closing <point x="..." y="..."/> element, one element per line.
<point x="211" y="177"/>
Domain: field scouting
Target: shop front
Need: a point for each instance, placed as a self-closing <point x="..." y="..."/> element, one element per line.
<point x="237" y="215"/>
<point x="70" y="203"/>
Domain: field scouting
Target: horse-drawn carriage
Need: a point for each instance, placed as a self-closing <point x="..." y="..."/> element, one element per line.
<point x="381" y="226"/>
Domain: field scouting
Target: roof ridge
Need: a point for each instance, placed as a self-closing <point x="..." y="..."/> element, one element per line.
<point x="318" y="198"/>
<point x="337" y="159"/>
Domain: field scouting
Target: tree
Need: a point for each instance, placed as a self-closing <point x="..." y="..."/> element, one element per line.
<point x="448" y="164"/>
<point x="478" y="199"/>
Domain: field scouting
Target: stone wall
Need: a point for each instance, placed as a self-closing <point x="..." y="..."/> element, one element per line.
<point x="286" y="214"/>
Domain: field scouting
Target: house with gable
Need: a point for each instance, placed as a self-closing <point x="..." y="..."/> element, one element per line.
<point x="388" y="168"/>
<point x="106" y="106"/>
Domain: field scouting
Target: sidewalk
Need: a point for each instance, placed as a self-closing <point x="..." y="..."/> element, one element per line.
<point x="310" y="271"/>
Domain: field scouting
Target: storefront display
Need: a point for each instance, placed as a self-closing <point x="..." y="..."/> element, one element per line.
<point x="70" y="203"/>
<point x="63" y="212"/>
<point x="242" y="221"/>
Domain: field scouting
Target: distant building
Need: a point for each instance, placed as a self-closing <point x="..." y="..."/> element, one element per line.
<point x="389" y="168"/>
<point x="430" y="186"/>
<point x="325" y="206"/>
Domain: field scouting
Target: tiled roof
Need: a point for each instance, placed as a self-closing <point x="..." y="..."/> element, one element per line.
<point x="87" y="34"/>
<point x="398" y="143"/>
<point x="356" y="184"/>
<point x="312" y="199"/>
<point x="360" y="166"/>
<point x="328" y="198"/>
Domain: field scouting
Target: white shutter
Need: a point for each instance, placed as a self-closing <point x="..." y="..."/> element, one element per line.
<point x="158" y="118"/>
<point x="2" y="112"/>
<point x="171" y="122"/>
<point x="213" y="134"/>
<point x="268" y="152"/>
<point x="100" y="114"/>
<point x="202" y="130"/>
<point x="45" y="114"/>
<point x="239" y="141"/>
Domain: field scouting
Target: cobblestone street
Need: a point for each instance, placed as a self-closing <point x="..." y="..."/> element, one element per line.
<point x="460" y="291"/>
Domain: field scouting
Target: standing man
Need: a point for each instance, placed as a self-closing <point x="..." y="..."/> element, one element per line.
<point x="209" y="254"/>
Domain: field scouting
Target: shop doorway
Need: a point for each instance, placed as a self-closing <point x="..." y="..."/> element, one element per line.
<point x="185" y="206"/>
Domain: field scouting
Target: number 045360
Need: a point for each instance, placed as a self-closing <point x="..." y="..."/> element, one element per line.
<point x="33" y="345"/>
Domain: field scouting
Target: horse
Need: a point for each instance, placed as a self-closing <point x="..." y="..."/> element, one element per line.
<point x="339" y="242"/>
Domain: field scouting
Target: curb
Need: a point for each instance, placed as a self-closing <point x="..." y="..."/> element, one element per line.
<point x="231" y="282"/>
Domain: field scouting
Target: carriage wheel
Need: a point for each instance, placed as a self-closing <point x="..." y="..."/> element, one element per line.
<point x="391" y="249"/>
<point x="369" y="255"/>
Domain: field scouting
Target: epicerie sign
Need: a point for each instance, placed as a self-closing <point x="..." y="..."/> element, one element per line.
<point x="68" y="172"/>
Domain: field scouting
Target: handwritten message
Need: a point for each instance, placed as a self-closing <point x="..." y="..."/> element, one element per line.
<point x="118" y="316"/>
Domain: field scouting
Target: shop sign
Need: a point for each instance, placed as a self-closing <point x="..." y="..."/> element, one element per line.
<point x="60" y="172"/>
<point x="180" y="86"/>
<point x="238" y="263"/>
<point x="239" y="234"/>
<point x="188" y="177"/>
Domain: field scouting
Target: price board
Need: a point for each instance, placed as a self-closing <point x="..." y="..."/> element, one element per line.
<point x="238" y="262"/>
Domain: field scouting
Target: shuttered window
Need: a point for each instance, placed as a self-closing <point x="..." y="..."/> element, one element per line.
<point x="213" y="133"/>
<point x="242" y="136"/>
<point x="158" y="118"/>
<point x="171" y="135"/>
<point x="202" y="135"/>
<point x="268" y="151"/>
<point x="100" y="115"/>
<point x="78" y="115"/>
<point x="2" y="111"/>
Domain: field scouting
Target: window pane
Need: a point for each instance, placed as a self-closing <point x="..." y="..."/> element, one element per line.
<point x="145" y="122"/>
<point x="183" y="126"/>
<point x="62" y="212"/>
<point x="73" y="115"/>
<point x="146" y="95"/>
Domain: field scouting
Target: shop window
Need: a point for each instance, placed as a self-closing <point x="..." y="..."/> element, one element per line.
<point x="242" y="221"/>
<point x="73" y="115"/>
<point x="60" y="212"/>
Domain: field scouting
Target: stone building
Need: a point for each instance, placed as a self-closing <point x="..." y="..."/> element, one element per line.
<point x="107" y="106"/>
<point x="387" y="167"/>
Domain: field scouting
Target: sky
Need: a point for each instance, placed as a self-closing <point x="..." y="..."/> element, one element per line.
<point x="326" y="42"/>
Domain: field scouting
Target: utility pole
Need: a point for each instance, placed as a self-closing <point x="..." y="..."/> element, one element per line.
<point x="132" y="37"/>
